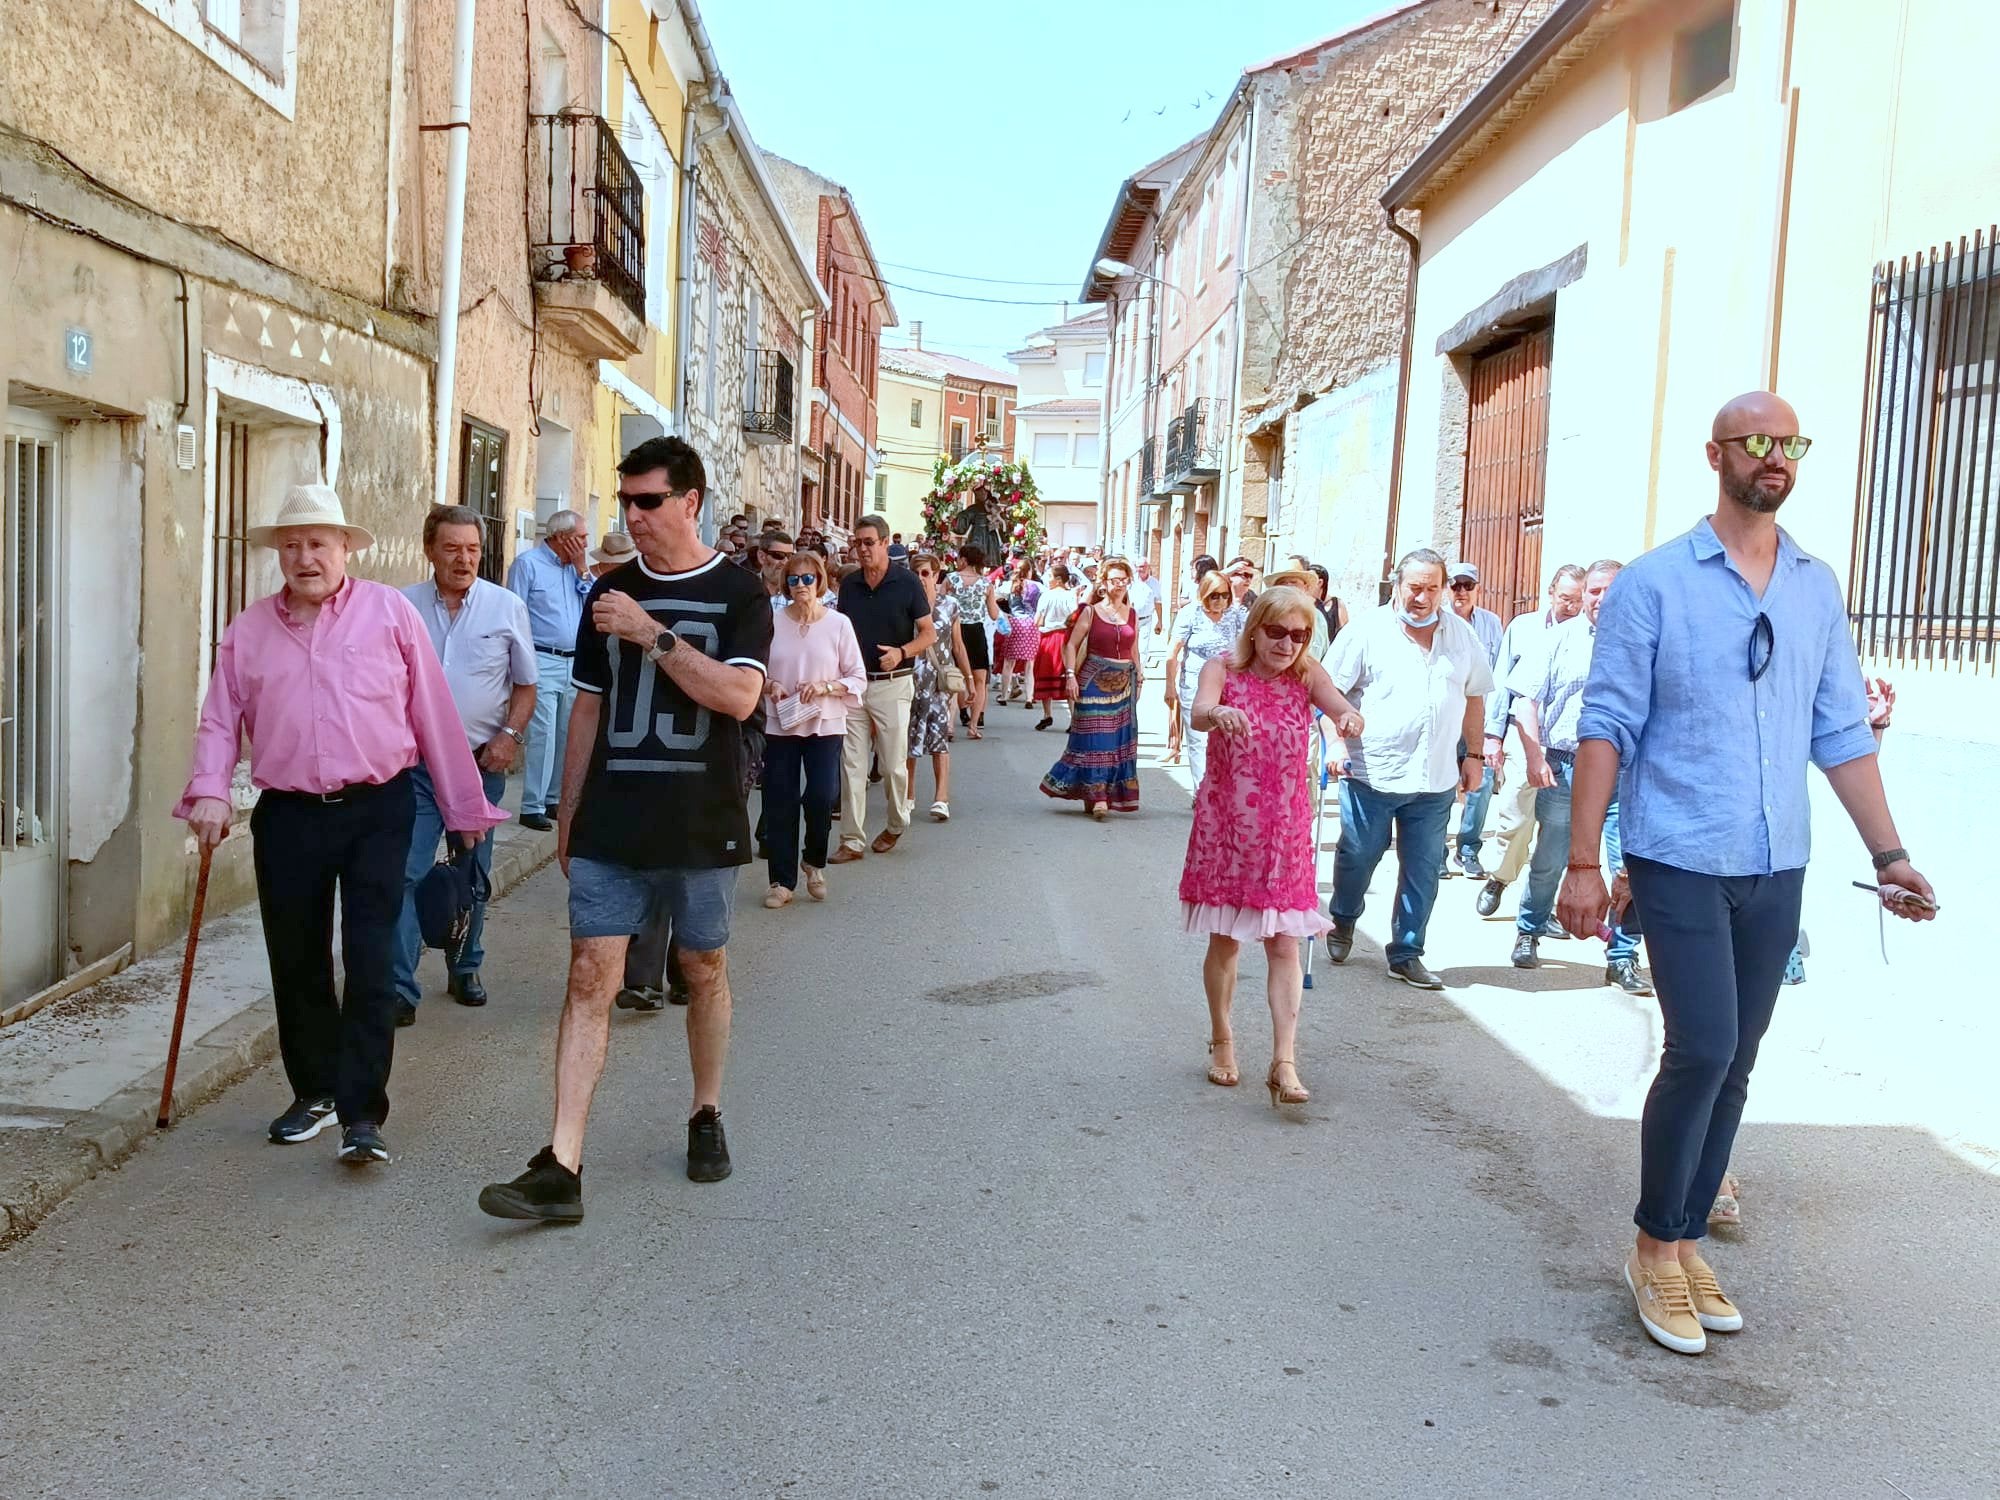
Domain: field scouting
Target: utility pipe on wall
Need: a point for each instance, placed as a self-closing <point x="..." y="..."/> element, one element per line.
<point x="1402" y="405"/>
<point x="460" y="126"/>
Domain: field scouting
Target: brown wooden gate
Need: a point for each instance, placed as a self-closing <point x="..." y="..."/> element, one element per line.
<point x="1506" y="461"/>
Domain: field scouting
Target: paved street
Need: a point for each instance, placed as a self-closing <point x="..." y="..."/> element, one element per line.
<point x="990" y="1232"/>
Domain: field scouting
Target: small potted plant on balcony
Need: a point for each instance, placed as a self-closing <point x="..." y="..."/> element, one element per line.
<point x="581" y="259"/>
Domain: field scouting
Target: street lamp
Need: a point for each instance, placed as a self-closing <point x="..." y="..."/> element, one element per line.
<point x="1117" y="270"/>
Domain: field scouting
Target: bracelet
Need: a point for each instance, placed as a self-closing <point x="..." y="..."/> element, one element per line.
<point x="1593" y="865"/>
<point x="1888" y="857"/>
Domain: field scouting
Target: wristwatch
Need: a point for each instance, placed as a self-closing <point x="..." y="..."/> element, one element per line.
<point x="1888" y="857"/>
<point x="514" y="734"/>
<point x="664" y="644"/>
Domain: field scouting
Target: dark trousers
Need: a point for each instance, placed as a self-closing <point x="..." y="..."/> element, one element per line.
<point x="1719" y="945"/>
<point x="652" y="962"/>
<point x="304" y="850"/>
<point x="800" y="771"/>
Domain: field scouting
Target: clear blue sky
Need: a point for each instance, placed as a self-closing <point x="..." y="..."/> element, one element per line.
<point x="990" y="142"/>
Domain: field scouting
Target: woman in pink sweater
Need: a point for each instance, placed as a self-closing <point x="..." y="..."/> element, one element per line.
<point x="815" y="677"/>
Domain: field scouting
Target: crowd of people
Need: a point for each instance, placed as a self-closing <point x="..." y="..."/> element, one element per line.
<point x="1664" y="711"/>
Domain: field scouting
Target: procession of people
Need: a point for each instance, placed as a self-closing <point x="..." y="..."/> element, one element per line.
<point x="1665" y="708"/>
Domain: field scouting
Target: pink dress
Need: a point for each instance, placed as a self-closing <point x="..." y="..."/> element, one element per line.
<point x="1250" y="872"/>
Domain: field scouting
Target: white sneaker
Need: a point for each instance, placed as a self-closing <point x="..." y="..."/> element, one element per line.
<point x="941" y="812"/>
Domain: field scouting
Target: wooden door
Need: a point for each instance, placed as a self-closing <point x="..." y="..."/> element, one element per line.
<point x="1506" y="461"/>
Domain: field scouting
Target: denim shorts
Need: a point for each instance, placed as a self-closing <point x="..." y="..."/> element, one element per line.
<point x="609" y="900"/>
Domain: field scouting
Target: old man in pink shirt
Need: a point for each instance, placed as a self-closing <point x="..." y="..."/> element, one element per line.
<point x="336" y="684"/>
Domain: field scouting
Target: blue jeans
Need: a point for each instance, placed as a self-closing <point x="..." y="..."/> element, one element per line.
<point x="1719" y="949"/>
<point x="1545" y="870"/>
<point x="548" y="732"/>
<point x="426" y="829"/>
<point x="1472" y="826"/>
<point x="1419" y="820"/>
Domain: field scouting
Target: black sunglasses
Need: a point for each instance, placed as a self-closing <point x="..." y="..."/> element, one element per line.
<point x="1763" y="646"/>
<point x="1459" y="584"/>
<point x="793" y="580"/>
<point x="645" y="499"/>
<point x="1760" y="444"/>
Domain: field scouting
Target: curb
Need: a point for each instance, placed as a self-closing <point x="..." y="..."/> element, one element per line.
<point x="47" y="1168"/>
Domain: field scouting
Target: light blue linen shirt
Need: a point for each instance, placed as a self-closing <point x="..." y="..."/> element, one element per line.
<point x="554" y="593"/>
<point x="484" y="649"/>
<point x="1552" y="672"/>
<point x="1712" y="767"/>
<point x="1521" y="636"/>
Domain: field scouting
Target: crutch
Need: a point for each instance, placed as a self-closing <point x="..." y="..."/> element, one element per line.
<point x="187" y="979"/>
<point x="1319" y="825"/>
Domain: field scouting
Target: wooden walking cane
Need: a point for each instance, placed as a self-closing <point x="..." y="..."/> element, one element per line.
<point x="187" y="979"/>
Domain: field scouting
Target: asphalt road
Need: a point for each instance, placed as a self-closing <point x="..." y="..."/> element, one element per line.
<point x="990" y="1232"/>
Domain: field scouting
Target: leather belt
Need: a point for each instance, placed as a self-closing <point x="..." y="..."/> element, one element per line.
<point x="886" y="676"/>
<point x="353" y="792"/>
<point x="553" y="651"/>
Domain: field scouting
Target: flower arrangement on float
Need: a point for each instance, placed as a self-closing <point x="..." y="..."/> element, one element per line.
<point x="952" y="488"/>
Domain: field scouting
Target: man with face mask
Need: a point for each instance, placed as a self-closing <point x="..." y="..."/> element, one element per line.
<point x="1723" y="663"/>
<point x="1424" y="677"/>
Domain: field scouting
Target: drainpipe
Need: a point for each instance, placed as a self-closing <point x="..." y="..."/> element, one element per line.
<point x="1402" y="406"/>
<point x="716" y="89"/>
<point x="1230" y="487"/>
<point x="460" y="126"/>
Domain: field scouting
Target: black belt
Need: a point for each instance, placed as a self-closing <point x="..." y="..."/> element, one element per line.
<point x="885" y="676"/>
<point x="358" y="791"/>
<point x="554" y="651"/>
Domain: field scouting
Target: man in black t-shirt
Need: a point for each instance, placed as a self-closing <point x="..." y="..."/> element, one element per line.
<point x="669" y="662"/>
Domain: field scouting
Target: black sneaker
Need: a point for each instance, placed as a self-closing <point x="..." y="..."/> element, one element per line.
<point x="708" y="1147"/>
<point x="548" y="1191"/>
<point x="406" y="1013"/>
<point x="1340" y="941"/>
<point x="641" y="998"/>
<point x="304" y="1120"/>
<point x="1525" y="956"/>
<point x="1489" y="898"/>
<point x="1624" y="973"/>
<point x="361" y="1144"/>
<point x="1413" y="973"/>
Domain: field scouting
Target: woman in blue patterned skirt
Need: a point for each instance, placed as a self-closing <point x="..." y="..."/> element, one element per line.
<point x="1100" y="766"/>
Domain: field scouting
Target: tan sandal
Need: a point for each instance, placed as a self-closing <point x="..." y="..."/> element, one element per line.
<point x="1296" y="1094"/>
<point x="1219" y="1075"/>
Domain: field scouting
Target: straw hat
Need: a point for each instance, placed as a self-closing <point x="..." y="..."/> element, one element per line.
<point x="617" y="547"/>
<point x="311" y="505"/>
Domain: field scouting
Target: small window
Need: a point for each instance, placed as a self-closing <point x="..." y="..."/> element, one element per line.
<point x="256" y="28"/>
<point x="482" y="484"/>
<point x="881" y="488"/>
<point x="1051" y="450"/>
<point x="992" y="409"/>
<point x="959" y="437"/>
<point x="1702" y="59"/>
<point x="1093" y="369"/>
<point x="916" y="413"/>
<point x="1088" y="447"/>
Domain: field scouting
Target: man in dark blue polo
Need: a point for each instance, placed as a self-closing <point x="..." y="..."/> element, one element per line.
<point x="891" y="616"/>
<point x="1722" y="663"/>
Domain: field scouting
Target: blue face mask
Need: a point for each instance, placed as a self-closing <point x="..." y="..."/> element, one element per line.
<point x="1413" y="622"/>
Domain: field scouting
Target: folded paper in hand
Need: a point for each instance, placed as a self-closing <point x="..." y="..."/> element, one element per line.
<point x="791" y="712"/>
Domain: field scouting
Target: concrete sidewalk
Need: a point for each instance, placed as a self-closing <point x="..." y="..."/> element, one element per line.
<point x="80" y="1081"/>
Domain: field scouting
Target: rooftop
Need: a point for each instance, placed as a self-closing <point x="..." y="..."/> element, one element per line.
<point x="936" y="365"/>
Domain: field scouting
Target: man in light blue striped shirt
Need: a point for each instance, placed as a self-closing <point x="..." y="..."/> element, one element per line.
<point x="1723" y="663"/>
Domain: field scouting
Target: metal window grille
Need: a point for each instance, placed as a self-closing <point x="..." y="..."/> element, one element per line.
<point x="228" y="543"/>
<point x="482" y="483"/>
<point x="1924" y="581"/>
<point x="28" y="637"/>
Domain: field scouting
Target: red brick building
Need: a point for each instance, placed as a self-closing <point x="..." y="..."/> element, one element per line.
<point x="840" y="455"/>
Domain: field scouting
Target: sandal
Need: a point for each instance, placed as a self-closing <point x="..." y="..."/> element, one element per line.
<point x="1726" y="1209"/>
<point x="1221" y="1075"/>
<point x="1296" y="1094"/>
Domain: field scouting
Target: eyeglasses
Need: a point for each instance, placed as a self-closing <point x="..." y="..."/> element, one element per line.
<point x="775" y="555"/>
<point x="865" y="543"/>
<point x="801" y="580"/>
<point x="1763" y="646"/>
<point x="1297" y="637"/>
<point x="1464" y="585"/>
<point x="645" y="499"/>
<point x="1760" y="444"/>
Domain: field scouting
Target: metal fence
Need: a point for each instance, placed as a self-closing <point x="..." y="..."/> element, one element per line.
<point x="1924" y="583"/>
<point x="583" y="192"/>
<point x="769" y="397"/>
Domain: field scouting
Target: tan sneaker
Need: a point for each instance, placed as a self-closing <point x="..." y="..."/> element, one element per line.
<point x="1666" y="1305"/>
<point x="1715" y="1311"/>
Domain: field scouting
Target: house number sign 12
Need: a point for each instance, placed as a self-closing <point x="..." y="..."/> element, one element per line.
<point x="76" y="350"/>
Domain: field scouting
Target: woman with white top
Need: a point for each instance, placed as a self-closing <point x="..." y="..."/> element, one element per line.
<point x="1052" y="616"/>
<point x="814" y="679"/>
<point x="1205" y="628"/>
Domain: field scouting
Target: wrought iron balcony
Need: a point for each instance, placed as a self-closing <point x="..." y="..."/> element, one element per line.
<point x="768" y="398"/>
<point x="587" y="237"/>
<point x="1149" y="466"/>
<point x="1195" y="441"/>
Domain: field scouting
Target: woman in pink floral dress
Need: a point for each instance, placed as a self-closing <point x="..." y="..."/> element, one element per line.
<point x="1250" y="872"/>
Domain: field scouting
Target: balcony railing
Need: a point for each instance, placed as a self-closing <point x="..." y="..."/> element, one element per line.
<point x="1149" y="466"/>
<point x="1195" y="441"/>
<point x="586" y="208"/>
<point x="768" y="398"/>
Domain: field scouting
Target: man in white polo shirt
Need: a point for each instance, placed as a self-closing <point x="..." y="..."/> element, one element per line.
<point x="1419" y="676"/>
